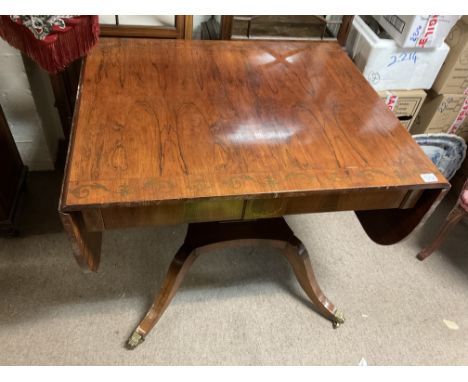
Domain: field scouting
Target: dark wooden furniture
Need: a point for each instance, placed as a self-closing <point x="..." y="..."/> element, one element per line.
<point x="172" y="131"/>
<point x="456" y="214"/>
<point x="210" y="29"/>
<point x="12" y="178"/>
<point x="313" y="27"/>
<point x="65" y="85"/>
<point x="183" y="25"/>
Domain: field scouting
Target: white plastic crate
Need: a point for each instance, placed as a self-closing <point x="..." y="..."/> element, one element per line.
<point x="390" y="67"/>
<point x="418" y="31"/>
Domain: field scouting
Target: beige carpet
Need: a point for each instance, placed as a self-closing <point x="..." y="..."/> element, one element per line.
<point x="237" y="307"/>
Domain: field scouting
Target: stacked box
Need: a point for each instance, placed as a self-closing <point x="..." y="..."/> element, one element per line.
<point x="446" y="107"/>
<point x="443" y="113"/>
<point x="388" y="66"/>
<point x="453" y="76"/>
<point x="418" y="31"/>
<point x="404" y="103"/>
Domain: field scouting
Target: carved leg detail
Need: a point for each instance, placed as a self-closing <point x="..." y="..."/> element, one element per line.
<point x="202" y="237"/>
<point x="86" y="245"/>
<point x="174" y="277"/>
<point x="452" y="219"/>
<point x="299" y="259"/>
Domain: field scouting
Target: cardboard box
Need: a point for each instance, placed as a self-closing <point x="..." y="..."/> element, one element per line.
<point x="420" y="31"/>
<point x="453" y="77"/>
<point x="404" y="103"/>
<point x="443" y="114"/>
<point x="389" y="67"/>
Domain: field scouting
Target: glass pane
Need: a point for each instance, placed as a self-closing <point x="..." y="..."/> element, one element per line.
<point x="148" y="20"/>
<point x="107" y="20"/>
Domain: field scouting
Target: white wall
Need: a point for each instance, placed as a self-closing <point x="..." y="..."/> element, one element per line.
<point x="34" y="124"/>
<point x="143" y="20"/>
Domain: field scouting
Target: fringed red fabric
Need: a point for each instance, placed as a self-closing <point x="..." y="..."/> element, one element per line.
<point x="60" y="48"/>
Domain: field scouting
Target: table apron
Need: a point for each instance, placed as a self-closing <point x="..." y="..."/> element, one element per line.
<point x="101" y="219"/>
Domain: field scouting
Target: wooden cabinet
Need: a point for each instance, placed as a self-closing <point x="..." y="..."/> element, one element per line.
<point x="277" y="27"/>
<point x="179" y="27"/>
<point x="12" y="175"/>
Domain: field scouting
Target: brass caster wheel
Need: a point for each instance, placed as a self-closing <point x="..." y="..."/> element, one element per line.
<point x="134" y="340"/>
<point x="338" y="319"/>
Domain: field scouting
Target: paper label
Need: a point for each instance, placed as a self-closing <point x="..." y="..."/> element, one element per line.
<point x="391" y="101"/>
<point x="460" y="118"/>
<point x="451" y="324"/>
<point x="429" y="177"/>
<point x="427" y="38"/>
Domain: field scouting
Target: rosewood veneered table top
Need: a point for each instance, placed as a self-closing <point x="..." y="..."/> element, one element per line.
<point x="166" y="120"/>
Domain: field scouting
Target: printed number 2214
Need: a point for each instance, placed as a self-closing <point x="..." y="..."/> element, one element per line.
<point x="402" y="57"/>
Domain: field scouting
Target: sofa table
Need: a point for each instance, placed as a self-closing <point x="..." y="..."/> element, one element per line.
<point x="230" y="136"/>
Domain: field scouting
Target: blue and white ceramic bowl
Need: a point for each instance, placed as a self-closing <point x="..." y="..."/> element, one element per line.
<point x="446" y="151"/>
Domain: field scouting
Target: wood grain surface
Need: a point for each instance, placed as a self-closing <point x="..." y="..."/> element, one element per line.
<point x="86" y="245"/>
<point x="167" y="120"/>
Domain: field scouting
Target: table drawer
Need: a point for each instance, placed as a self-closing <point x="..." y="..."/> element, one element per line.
<point x="211" y="210"/>
<point x="171" y="213"/>
<point x="337" y="201"/>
